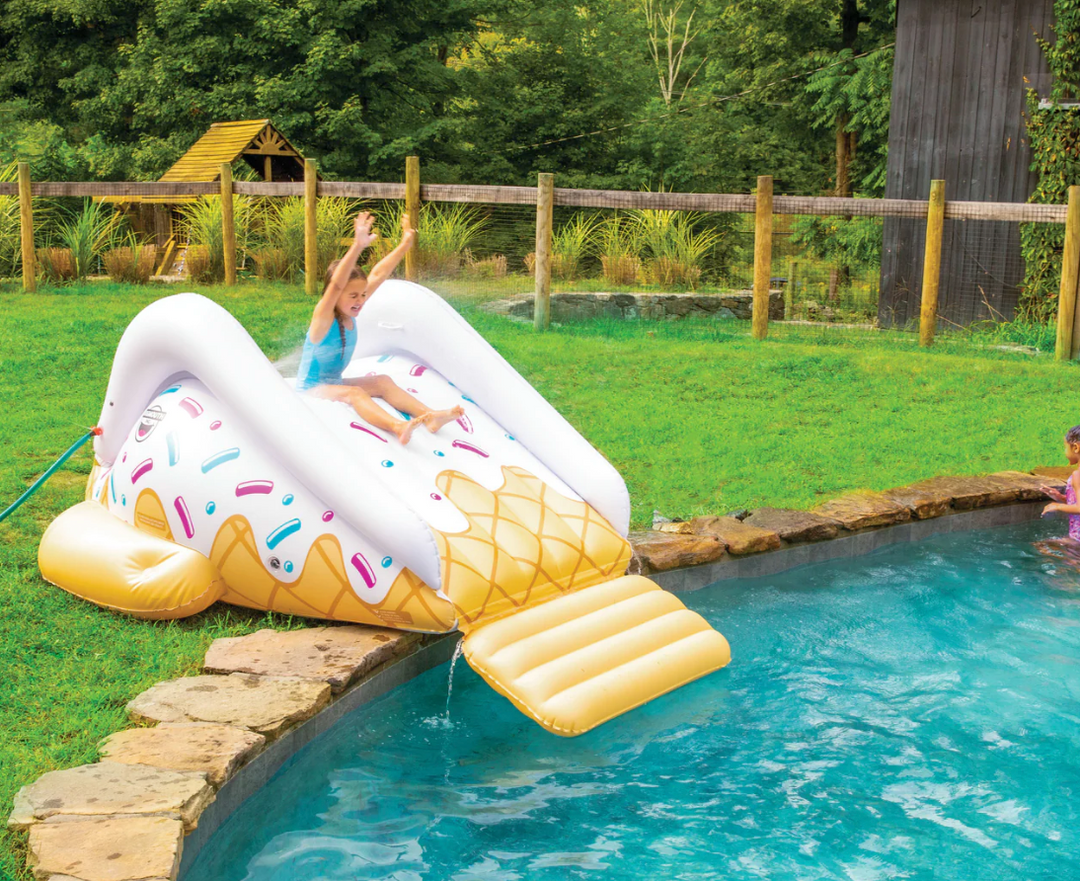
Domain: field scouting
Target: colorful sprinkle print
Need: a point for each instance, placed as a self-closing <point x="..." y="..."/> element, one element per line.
<point x="511" y="437"/>
<point x="185" y="517"/>
<point x="386" y="463"/>
<point x="461" y="445"/>
<point x="417" y="370"/>
<point x="215" y="425"/>
<point x="287" y="499"/>
<point x="361" y="565"/>
<point x="171" y="389"/>
<point x="193" y="407"/>
<point x="220" y="459"/>
<point x="288" y="566"/>
<point x="112" y="486"/>
<point x="467" y="398"/>
<point x="366" y="430"/>
<point x="412" y="391"/>
<point x="252" y="487"/>
<point x="386" y="561"/>
<point x="440" y="453"/>
<point x="436" y="497"/>
<point x="384" y="358"/>
<point x="123" y="501"/>
<point x="174" y="448"/>
<point x="327" y="516"/>
<point x="210" y="507"/>
<point x="282" y="532"/>
<point x="465" y="423"/>
<point x="141" y="469"/>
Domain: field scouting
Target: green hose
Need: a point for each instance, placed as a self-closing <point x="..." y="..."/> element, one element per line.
<point x="48" y="473"/>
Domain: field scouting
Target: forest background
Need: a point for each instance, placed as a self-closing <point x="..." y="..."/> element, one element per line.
<point x="676" y="95"/>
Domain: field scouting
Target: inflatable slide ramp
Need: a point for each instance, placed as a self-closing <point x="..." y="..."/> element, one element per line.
<point x="215" y="480"/>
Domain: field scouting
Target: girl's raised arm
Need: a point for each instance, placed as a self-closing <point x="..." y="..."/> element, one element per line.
<point x="324" y="315"/>
<point x="382" y="270"/>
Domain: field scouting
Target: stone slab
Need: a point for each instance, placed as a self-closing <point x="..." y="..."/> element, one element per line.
<point x="740" y="538"/>
<point x="864" y="510"/>
<point x="1061" y="472"/>
<point x="265" y="704"/>
<point x="966" y="493"/>
<point x="106" y="849"/>
<point x="1029" y="486"/>
<point x="794" y="526"/>
<point x="924" y="503"/>
<point x="216" y="750"/>
<point x="111" y="788"/>
<point x="658" y="551"/>
<point x="335" y="655"/>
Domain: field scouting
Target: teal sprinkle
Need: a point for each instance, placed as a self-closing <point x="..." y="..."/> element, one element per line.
<point x="386" y="463"/>
<point x="288" y="566"/>
<point x="210" y="507"/>
<point x="386" y="561"/>
<point x="439" y="453"/>
<point x="288" y="500"/>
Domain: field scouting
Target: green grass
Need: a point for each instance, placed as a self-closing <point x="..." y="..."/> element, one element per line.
<point x="696" y="415"/>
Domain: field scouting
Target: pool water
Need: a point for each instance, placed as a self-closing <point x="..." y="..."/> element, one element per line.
<point x="910" y="714"/>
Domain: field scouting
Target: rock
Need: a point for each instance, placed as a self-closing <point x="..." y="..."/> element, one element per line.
<point x="1061" y="472"/>
<point x="335" y="655"/>
<point x="923" y="503"/>
<point x="265" y="704"/>
<point x="216" y="750"/>
<point x="1028" y="485"/>
<point x="676" y="527"/>
<point x="740" y="538"/>
<point x="660" y="551"/>
<point x="967" y="493"/>
<point x="794" y="525"/>
<point x="106" y="849"/>
<point x="109" y="788"/>
<point x="864" y="510"/>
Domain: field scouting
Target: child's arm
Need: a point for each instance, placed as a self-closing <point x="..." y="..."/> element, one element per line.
<point x="382" y="270"/>
<point x="1061" y="509"/>
<point x="322" y="319"/>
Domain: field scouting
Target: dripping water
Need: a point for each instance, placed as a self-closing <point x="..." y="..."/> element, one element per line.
<point x="450" y="684"/>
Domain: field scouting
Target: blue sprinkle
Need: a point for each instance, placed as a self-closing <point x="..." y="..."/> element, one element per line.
<point x="405" y="416"/>
<point x="386" y="463"/>
<point x="220" y="458"/>
<point x="384" y="358"/>
<point x="174" y="450"/>
<point x="288" y="500"/>
<point x="169" y="391"/>
<point x="510" y="437"/>
<point x="112" y="487"/>
<point x="386" y="561"/>
<point x="439" y="453"/>
<point x="467" y="398"/>
<point x="288" y="566"/>
<point x="282" y="532"/>
<point x="123" y="500"/>
<point x="210" y="507"/>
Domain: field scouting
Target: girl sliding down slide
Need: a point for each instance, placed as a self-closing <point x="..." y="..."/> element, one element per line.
<point x="331" y="339"/>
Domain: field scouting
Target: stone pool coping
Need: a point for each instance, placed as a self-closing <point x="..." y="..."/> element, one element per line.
<point x="146" y="810"/>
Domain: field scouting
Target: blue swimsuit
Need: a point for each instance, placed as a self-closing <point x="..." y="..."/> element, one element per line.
<point x="322" y="363"/>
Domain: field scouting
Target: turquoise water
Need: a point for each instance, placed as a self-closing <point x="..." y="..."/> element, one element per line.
<point x="910" y="714"/>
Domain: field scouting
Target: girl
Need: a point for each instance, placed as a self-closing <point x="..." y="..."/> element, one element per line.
<point x="331" y="339"/>
<point x="1067" y="504"/>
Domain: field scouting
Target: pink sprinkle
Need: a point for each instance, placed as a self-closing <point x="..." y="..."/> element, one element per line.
<point x="185" y="517"/>
<point x="360" y="427"/>
<point x="124" y="459"/>
<point x="215" y="425"/>
<point x="465" y="423"/>
<point x="254" y="486"/>
<point x="436" y="497"/>
<point x="193" y="407"/>
<point x="461" y="445"/>
<point x="372" y="373"/>
<point x="417" y="370"/>
<point x="141" y="469"/>
<point x="364" y="569"/>
<point x="413" y="391"/>
<point x="327" y="516"/>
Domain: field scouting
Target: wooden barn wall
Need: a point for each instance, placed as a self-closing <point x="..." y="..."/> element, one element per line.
<point x="960" y="76"/>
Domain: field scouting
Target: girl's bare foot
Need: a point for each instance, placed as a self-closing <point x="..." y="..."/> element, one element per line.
<point x="436" y="419"/>
<point x="403" y="428"/>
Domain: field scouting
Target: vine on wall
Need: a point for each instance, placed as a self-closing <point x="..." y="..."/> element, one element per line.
<point x="1054" y="135"/>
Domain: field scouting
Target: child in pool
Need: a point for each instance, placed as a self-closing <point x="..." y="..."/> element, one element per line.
<point x="331" y="339"/>
<point x="1066" y="503"/>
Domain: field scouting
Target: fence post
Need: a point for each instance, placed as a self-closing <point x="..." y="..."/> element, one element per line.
<point x="545" y="185"/>
<point x="311" y="229"/>
<point x="931" y="277"/>
<point x="412" y="208"/>
<point x="1067" y="339"/>
<point x="763" y="221"/>
<point x="228" y="224"/>
<point x="26" y="229"/>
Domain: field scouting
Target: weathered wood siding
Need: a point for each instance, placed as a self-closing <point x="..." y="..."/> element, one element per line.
<point x="960" y="79"/>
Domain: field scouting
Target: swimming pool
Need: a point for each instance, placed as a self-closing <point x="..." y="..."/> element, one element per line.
<point x="910" y="714"/>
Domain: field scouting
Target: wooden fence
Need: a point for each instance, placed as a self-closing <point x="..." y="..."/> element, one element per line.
<point x="763" y="204"/>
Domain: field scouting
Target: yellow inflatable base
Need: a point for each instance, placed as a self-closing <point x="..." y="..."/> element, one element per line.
<point x="576" y="661"/>
<point x="98" y="557"/>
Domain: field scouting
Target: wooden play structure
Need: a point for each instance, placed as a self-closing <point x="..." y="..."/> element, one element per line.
<point x="256" y="141"/>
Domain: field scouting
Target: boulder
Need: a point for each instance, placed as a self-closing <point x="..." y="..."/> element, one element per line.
<point x="1060" y="472"/>
<point x="106" y="849"/>
<point x="335" y="655"/>
<point x="793" y="526"/>
<point x="967" y="493"/>
<point x="864" y="510"/>
<point x="1029" y="486"/>
<point x="265" y="704"/>
<point x="216" y="750"/>
<point x="112" y="788"/>
<point x="740" y="538"/>
<point x="660" y="551"/>
<point x="923" y="502"/>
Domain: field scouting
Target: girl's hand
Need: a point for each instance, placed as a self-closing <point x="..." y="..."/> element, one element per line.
<point x="1056" y="495"/>
<point x="408" y="234"/>
<point x="362" y="226"/>
<point x="1051" y="508"/>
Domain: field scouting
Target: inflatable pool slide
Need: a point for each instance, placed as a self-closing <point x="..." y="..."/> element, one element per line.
<point x="213" y="479"/>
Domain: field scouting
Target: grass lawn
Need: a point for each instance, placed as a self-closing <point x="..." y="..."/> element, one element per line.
<point x="697" y="416"/>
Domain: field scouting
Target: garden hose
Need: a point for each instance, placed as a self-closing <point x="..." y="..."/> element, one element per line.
<point x="52" y="469"/>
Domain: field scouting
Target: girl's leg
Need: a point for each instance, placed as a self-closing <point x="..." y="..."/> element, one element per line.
<point x="384" y="387"/>
<point x="366" y="409"/>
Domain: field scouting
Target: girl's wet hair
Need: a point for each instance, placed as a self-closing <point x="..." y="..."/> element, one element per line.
<point x="1072" y="436"/>
<point x="357" y="272"/>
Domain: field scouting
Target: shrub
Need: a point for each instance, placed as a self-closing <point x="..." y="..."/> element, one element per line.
<point x="87" y="234"/>
<point x="200" y="224"/>
<point x="199" y="266"/>
<point x="130" y="260"/>
<point x="490" y="267"/>
<point x="617" y="244"/>
<point x="444" y="235"/>
<point x="571" y="244"/>
<point x="10" y="232"/>
<point x="673" y="246"/>
<point x="56" y="265"/>
<point x="283" y="230"/>
<point x="273" y="264"/>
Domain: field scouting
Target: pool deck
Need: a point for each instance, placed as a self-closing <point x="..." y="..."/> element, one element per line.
<point x="146" y="810"/>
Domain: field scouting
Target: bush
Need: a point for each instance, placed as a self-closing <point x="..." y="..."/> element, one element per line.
<point x="273" y="264"/>
<point x="132" y="262"/>
<point x="86" y="234"/>
<point x="571" y="244"/>
<point x="490" y="267"/>
<point x="444" y="235"/>
<point x="617" y="244"/>
<point x="200" y="224"/>
<point x="199" y="265"/>
<point x="10" y="231"/>
<point x="675" y="248"/>
<point x="56" y="265"/>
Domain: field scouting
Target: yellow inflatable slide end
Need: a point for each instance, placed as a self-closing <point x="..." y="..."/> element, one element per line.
<point x="578" y="660"/>
<point x="96" y="556"/>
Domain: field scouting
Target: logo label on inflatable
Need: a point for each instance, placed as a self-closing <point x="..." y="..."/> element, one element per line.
<point x="150" y="419"/>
